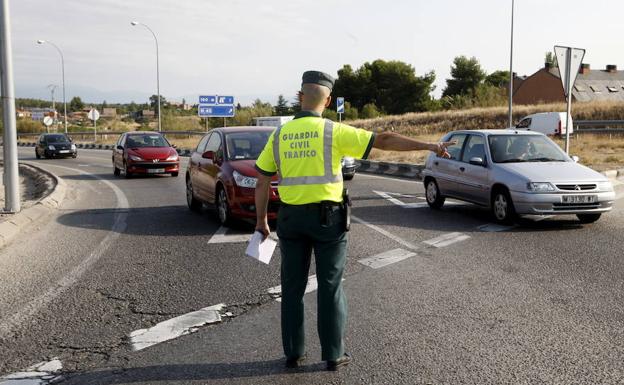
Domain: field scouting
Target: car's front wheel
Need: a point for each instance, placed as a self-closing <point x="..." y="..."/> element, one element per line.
<point x="502" y="207"/>
<point x="223" y="208"/>
<point x="174" y="174"/>
<point x="435" y="200"/>
<point x="588" y="218"/>
<point x="127" y="173"/>
<point x="193" y="203"/>
<point x="37" y="154"/>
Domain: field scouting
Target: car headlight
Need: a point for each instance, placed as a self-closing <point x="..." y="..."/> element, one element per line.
<point x="135" y="158"/>
<point x="540" y="187"/>
<point x="244" y="181"/>
<point x="605" y="186"/>
<point x="173" y="157"/>
<point x="51" y="147"/>
<point x="73" y="146"/>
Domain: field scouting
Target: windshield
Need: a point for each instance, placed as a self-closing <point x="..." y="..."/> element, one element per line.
<point x="524" y="148"/>
<point x="146" y="140"/>
<point x="57" y="139"/>
<point x="246" y="145"/>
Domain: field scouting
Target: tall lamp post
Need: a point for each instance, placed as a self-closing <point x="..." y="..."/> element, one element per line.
<point x="135" y="23"/>
<point x="511" y="69"/>
<point x="63" y="72"/>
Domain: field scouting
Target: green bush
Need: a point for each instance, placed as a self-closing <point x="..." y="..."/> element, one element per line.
<point x="370" y="111"/>
<point x="29" y="125"/>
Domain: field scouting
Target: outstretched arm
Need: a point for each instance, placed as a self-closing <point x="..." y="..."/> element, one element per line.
<point x="391" y="141"/>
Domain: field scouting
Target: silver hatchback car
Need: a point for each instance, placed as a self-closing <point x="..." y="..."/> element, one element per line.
<point x="513" y="173"/>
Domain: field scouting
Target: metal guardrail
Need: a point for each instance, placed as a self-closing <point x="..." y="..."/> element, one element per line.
<point x="599" y="126"/>
<point x="85" y="133"/>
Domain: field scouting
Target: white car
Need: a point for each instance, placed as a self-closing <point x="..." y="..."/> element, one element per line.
<point x="548" y="123"/>
<point x="513" y="173"/>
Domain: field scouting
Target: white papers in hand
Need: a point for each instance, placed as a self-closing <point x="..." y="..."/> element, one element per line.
<point x="259" y="249"/>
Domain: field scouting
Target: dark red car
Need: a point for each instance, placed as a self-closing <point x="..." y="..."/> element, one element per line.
<point x="144" y="152"/>
<point x="221" y="173"/>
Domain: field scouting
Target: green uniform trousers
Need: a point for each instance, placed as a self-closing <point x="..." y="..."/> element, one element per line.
<point x="300" y="231"/>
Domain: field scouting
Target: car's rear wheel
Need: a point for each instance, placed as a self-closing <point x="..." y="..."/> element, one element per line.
<point x="502" y="207"/>
<point x="193" y="203"/>
<point x="588" y="218"/>
<point x="116" y="171"/>
<point x="435" y="200"/>
<point x="223" y="208"/>
<point x="348" y="176"/>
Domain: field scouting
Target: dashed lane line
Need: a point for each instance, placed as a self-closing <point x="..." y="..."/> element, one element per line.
<point x="224" y="235"/>
<point x="494" y="228"/>
<point x="119" y="225"/>
<point x="386" y="258"/>
<point x="388" y="234"/>
<point x="276" y="291"/>
<point x="393" y="198"/>
<point x="175" y="327"/>
<point x="447" y="239"/>
<point x="42" y="373"/>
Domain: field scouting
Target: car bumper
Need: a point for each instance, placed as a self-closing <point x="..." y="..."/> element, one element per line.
<point x="551" y="204"/>
<point x="348" y="170"/>
<point x="243" y="204"/>
<point x="153" y="168"/>
<point x="60" y="153"/>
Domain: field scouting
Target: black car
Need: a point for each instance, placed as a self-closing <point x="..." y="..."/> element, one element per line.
<point x="55" y="146"/>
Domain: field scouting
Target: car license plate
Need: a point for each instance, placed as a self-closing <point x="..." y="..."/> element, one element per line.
<point x="155" y="170"/>
<point x="578" y="199"/>
<point x="64" y="151"/>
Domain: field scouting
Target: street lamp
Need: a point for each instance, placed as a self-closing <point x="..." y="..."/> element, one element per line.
<point x="63" y="72"/>
<point x="511" y="69"/>
<point x="135" y="23"/>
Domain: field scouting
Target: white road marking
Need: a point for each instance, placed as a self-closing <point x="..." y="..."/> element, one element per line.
<point x="40" y="374"/>
<point x="446" y="239"/>
<point x="175" y="327"/>
<point x="390" y="196"/>
<point x="494" y="228"/>
<point x="395" y="238"/>
<point x="119" y="226"/>
<point x="276" y="291"/>
<point x="222" y="236"/>
<point x="387" y="258"/>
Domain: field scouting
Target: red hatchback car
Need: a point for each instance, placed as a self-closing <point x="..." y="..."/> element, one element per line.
<point x="221" y="173"/>
<point x="144" y="152"/>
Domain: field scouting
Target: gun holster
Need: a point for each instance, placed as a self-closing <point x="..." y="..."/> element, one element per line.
<point x="346" y="209"/>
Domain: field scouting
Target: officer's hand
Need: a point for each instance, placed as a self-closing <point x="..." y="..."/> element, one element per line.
<point x="442" y="148"/>
<point x="263" y="228"/>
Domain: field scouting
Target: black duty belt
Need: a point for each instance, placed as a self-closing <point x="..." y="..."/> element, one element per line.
<point x="315" y="205"/>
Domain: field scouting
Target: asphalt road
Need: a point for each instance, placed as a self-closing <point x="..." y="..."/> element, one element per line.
<point x="542" y="302"/>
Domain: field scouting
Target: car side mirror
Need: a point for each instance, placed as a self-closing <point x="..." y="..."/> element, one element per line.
<point x="575" y="158"/>
<point x="477" y="161"/>
<point x="120" y="147"/>
<point x="174" y="146"/>
<point x="208" y="155"/>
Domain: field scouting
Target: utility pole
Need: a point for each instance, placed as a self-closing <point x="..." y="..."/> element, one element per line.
<point x="511" y="68"/>
<point x="10" y="177"/>
<point x="52" y="87"/>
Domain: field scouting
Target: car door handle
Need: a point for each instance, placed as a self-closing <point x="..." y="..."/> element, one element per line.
<point x="436" y="163"/>
<point x="462" y="169"/>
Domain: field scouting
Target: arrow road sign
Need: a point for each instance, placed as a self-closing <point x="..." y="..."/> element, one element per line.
<point x="216" y="111"/>
<point x="340" y="105"/>
<point x="228" y="100"/>
<point x="207" y="99"/>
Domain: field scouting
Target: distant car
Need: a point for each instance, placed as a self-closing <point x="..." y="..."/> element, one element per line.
<point x="221" y="173"/>
<point x="144" y="152"/>
<point x="513" y="173"/>
<point x="348" y="167"/>
<point x="55" y="146"/>
<point x="548" y="123"/>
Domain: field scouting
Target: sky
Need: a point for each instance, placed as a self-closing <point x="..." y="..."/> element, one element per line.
<point x="259" y="49"/>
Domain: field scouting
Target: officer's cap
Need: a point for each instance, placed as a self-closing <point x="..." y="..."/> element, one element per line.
<point x="318" y="77"/>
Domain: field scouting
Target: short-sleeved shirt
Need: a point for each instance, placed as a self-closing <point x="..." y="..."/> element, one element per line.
<point x="310" y="149"/>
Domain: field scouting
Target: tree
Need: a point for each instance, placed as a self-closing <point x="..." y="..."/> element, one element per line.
<point x="154" y="102"/>
<point x="76" y="104"/>
<point x="467" y="75"/>
<point x="369" y="111"/>
<point x="498" y="79"/>
<point x="392" y="86"/>
<point x="281" y="108"/>
<point x="549" y="58"/>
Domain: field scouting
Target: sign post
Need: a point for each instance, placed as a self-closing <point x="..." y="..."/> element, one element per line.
<point x="94" y="115"/>
<point x="48" y="120"/>
<point x="340" y="107"/>
<point x="569" y="61"/>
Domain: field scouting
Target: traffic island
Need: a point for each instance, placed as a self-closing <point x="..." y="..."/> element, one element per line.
<point x="41" y="194"/>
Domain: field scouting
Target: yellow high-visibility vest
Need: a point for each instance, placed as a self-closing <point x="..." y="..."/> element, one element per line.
<point x="306" y="154"/>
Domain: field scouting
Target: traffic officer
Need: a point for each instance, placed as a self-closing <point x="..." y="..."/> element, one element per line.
<point x="306" y="153"/>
